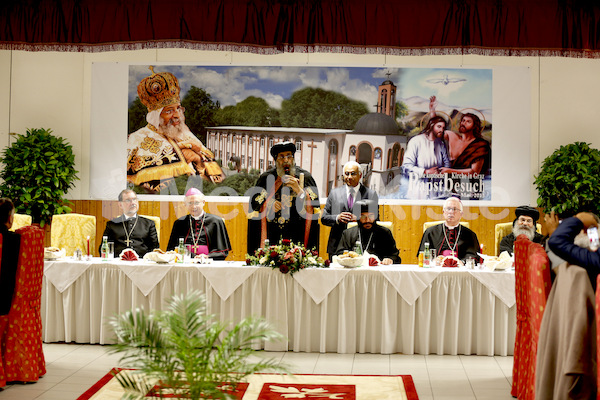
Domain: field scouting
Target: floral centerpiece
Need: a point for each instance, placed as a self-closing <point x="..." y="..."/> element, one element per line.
<point x="287" y="257"/>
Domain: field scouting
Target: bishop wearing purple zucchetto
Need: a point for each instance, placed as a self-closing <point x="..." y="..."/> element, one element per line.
<point x="202" y="232"/>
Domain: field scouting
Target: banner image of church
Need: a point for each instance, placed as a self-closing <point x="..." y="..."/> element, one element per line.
<point x="335" y="115"/>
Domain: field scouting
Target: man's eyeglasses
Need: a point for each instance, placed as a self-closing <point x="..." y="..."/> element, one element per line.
<point x="129" y="201"/>
<point x="350" y="173"/>
<point x="287" y="158"/>
<point x="452" y="209"/>
<point x="195" y="203"/>
<point x="170" y="111"/>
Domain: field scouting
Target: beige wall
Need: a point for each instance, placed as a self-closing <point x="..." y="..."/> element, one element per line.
<point x="52" y="90"/>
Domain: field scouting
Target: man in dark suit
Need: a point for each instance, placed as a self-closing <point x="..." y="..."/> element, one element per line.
<point x="129" y="230"/>
<point x="11" y="243"/>
<point x="339" y="208"/>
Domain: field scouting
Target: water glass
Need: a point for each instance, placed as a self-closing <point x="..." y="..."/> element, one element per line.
<point x="434" y="261"/>
<point x="470" y="263"/>
<point x="187" y="257"/>
<point x="111" y="250"/>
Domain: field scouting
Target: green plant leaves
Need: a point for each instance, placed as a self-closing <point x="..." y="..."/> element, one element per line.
<point x="190" y="352"/>
<point x="39" y="169"/>
<point x="569" y="180"/>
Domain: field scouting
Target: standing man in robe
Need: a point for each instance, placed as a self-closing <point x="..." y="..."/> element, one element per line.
<point x="129" y="230"/>
<point x="166" y="148"/>
<point x="284" y="207"/>
<point x="203" y="232"/>
<point x="340" y="206"/>
<point x="450" y="237"/>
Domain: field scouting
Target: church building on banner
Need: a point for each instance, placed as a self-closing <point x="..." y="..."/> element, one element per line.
<point x="375" y="143"/>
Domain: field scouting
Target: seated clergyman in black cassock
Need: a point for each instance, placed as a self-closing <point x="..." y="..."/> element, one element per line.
<point x="129" y="230"/>
<point x="11" y="243"/>
<point x="203" y="232"/>
<point x="524" y="224"/>
<point x="450" y="238"/>
<point x="374" y="238"/>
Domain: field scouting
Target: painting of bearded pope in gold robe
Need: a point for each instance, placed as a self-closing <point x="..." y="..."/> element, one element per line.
<point x="165" y="148"/>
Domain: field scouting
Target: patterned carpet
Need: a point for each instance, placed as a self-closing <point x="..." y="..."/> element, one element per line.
<point x="285" y="387"/>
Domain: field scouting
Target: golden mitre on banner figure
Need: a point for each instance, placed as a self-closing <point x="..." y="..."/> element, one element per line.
<point x="166" y="148"/>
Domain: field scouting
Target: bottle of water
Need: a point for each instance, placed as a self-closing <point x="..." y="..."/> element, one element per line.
<point x="181" y="250"/>
<point x="426" y="256"/>
<point x="104" y="248"/>
<point x="358" y="248"/>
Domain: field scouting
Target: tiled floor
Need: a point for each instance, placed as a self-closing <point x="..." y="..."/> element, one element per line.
<point x="73" y="368"/>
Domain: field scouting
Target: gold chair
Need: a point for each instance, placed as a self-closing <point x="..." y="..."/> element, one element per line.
<point x="70" y="232"/>
<point x="20" y="221"/>
<point x="156" y="223"/>
<point x="387" y="224"/>
<point x="504" y="228"/>
<point x="429" y="224"/>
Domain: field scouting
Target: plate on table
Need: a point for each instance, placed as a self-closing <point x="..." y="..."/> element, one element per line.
<point x="53" y="253"/>
<point x="160" y="258"/>
<point x="349" y="262"/>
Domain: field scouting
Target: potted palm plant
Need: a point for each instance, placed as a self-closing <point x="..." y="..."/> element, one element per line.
<point x="182" y="352"/>
<point x="39" y="170"/>
<point x="569" y="180"/>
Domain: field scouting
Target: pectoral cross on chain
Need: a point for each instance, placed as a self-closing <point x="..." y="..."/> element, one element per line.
<point x="127" y="242"/>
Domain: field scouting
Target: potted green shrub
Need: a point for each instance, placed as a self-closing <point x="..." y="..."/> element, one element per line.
<point x="39" y="169"/>
<point x="569" y="180"/>
<point x="183" y="352"/>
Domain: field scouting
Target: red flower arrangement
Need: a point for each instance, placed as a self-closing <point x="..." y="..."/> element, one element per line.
<point x="287" y="257"/>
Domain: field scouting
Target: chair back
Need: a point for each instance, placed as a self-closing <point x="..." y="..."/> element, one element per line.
<point x="70" y="232"/>
<point x="532" y="286"/>
<point x="387" y="224"/>
<point x="22" y="344"/>
<point x="429" y="224"/>
<point x="504" y="228"/>
<point x="20" y="221"/>
<point x="598" y="335"/>
<point x="156" y="224"/>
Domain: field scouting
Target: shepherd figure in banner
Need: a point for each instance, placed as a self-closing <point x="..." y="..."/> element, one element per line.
<point x="166" y="148"/>
<point x="284" y="205"/>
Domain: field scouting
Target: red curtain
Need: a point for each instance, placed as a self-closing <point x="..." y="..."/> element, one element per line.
<point x="404" y="27"/>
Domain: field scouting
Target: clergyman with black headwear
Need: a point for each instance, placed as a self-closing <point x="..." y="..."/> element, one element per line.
<point x="284" y="202"/>
<point x="524" y="224"/>
<point x="374" y="238"/>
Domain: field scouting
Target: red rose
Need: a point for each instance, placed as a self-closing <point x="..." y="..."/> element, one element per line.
<point x="315" y="253"/>
<point x="248" y="261"/>
<point x="327" y="262"/>
<point x="284" y="269"/>
<point x="274" y="254"/>
<point x="285" y="242"/>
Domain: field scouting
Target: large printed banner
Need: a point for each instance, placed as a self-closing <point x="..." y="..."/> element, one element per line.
<point x="420" y="134"/>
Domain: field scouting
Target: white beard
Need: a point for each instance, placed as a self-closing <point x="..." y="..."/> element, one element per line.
<point x="522" y="230"/>
<point x="281" y="170"/>
<point x="173" y="132"/>
<point x="582" y="240"/>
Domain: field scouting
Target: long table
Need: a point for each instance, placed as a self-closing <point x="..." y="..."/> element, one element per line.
<point x="386" y="309"/>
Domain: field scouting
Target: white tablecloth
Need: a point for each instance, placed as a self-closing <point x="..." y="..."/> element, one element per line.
<point x="392" y="309"/>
